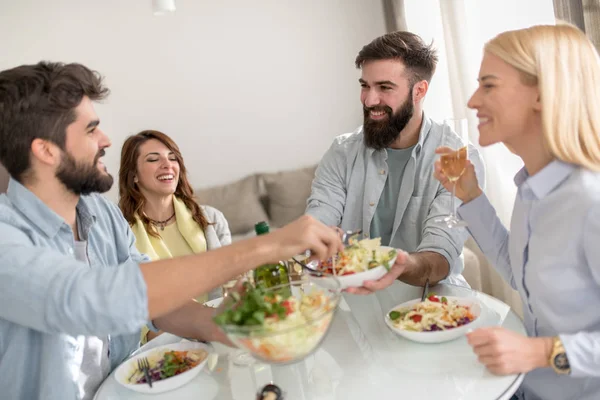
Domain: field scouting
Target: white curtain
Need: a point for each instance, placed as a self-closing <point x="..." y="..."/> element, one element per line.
<point x="459" y="29"/>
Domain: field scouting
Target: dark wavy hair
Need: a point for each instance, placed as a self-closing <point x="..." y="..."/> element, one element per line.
<point x="38" y="102"/>
<point x="131" y="200"/>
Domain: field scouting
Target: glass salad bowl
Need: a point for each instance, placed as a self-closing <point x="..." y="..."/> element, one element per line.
<point x="283" y="324"/>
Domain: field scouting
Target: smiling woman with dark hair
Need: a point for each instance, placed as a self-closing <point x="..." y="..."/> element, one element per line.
<point x="157" y="200"/>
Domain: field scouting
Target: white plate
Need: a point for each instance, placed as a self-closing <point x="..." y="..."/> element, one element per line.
<point x="357" y="280"/>
<point x="438" y="336"/>
<point x="126" y="369"/>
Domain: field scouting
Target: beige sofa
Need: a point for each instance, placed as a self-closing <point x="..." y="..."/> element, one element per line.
<point x="280" y="198"/>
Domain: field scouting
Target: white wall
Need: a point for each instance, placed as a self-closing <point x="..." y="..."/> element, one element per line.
<point x="242" y="86"/>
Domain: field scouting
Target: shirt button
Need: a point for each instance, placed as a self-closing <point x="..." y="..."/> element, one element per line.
<point x="371" y="204"/>
<point x="70" y="250"/>
<point x="382" y="172"/>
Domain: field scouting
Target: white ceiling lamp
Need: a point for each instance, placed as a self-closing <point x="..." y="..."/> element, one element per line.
<point x="162" y="7"/>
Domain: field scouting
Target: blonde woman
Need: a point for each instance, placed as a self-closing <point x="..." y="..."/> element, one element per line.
<point x="539" y="94"/>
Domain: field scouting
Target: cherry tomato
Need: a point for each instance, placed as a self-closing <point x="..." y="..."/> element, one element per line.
<point x="288" y="307"/>
<point x="417" y="318"/>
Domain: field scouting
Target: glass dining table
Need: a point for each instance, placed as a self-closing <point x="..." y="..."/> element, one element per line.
<point x="361" y="358"/>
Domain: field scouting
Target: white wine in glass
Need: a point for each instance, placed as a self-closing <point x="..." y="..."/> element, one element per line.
<point x="454" y="164"/>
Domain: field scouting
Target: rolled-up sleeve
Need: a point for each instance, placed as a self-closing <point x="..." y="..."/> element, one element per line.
<point x="50" y="292"/>
<point x="328" y="193"/>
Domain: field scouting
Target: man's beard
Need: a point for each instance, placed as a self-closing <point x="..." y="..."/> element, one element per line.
<point x="381" y="134"/>
<point x="82" y="179"/>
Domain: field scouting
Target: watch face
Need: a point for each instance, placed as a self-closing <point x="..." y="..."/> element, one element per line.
<point x="561" y="361"/>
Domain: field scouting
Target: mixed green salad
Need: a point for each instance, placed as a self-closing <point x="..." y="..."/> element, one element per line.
<point x="274" y="327"/>
<point x="251" y="308"/>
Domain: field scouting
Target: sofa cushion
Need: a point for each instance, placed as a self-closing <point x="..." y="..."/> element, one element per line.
<point x="239" y="201"/>
<point x="287" y="192"/>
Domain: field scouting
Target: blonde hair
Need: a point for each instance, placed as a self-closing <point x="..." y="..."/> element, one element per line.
<point x="565" y="66"/>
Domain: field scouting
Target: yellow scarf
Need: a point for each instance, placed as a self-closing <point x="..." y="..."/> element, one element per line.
<point x="156" y="248"/>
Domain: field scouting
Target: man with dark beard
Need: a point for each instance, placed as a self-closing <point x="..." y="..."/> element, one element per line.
<point x="380" y="178"/>
<point x="74" y="291"/>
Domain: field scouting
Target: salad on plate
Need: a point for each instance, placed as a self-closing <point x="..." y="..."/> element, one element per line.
<point x="360" y="256"/>
<point x="434" y="314"/>
<point x="166" y="364"/>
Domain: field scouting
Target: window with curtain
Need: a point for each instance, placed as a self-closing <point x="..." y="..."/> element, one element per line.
<point x="459" y="29"/>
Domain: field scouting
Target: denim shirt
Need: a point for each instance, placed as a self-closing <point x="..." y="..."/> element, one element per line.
<point x="551" y="257"/>
<point x="48" y="298"/>
<point x="350" y="179"/>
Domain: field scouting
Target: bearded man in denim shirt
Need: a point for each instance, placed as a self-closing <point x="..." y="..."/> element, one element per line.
<point x="74" y="291"/>
<point x="380" y="178"/>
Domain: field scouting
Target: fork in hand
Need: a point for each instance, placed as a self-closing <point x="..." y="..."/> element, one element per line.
<point x="347" y="235"/>
<point x="144" y="366"/>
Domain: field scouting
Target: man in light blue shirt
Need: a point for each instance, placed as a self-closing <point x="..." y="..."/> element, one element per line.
<point x="380" y="178"/>
<point x="74" y="291"/>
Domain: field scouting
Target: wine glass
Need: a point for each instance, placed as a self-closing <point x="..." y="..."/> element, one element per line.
<point x="454" y="163"/>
